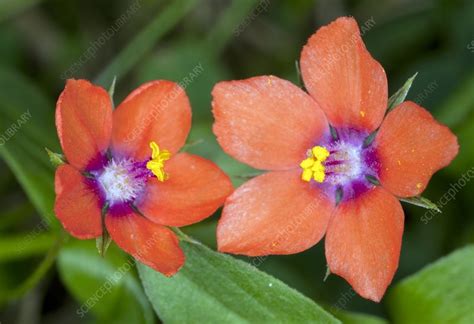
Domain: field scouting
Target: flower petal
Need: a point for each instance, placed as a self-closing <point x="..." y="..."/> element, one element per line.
<point x="341" y="75"/>
<point x="266" y="122"/>
<point x="412" y="146"/>
<point x="195" y="188"/>
<point x="150" y="243"/>
<point x="77" y="206"/>
<point x="275" y="213"/>
<point x="363" y="242"/>
<point x="83" y="122"/>
<point x="157" y="111"/>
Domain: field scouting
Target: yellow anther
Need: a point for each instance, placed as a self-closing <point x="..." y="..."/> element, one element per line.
<point x="157" y="163"/>
<point x="320" y="153"/>
<point x="362" y="113"/>
<point x="307" y="163"/>
<point x="317" y="167"/>
<point x="307" y="175"/>
<point x="313" y="167"/>
<point x="319" y="176"/>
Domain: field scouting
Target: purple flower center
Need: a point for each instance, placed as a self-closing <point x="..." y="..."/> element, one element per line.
<point x="119" y="182"/>
<point x="352" y="166"/>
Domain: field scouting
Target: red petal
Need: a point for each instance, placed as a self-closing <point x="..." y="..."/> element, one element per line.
<point x="266" y="122"/>
<point x="83" y="121"/>
<point x="341" y="75"/>
<point x="196" y="187"/>
<point x="77" y="206"/>
<point x="150" y="243"/>
<point x="412" y="146"/>
<point x="275" y="213"/>
<point x="363" y="242"/>
<point x="157" y="111"/>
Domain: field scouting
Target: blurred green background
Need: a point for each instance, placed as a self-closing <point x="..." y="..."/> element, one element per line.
<point x="44" y="42"/>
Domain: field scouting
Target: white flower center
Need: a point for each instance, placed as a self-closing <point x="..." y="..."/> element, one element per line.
<point x="121" y="181"/>
<point x="345" y="164"/>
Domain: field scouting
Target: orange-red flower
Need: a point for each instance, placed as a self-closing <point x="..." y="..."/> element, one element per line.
<point x="125" y="174"/>
<point x="327" y="180"/>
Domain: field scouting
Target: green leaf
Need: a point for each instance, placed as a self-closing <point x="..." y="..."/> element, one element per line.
<point x="399" y="96"/>
<point x="422" y="202"/>
<point x="357" y="318"/>
<point x="105" y="287"/>
<point x="145" y="40"/>
<point x="440" y="293"/>
<point x="102" y="243"/>
<point x="111" y="90"/>
<point x="216" y="288"/>
<point x="28" y="117"/>
<point x="56" y="159"/>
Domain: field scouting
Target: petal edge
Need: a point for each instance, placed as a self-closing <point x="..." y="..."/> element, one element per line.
<point x="266" y="122"/>
<point x="412" y="146"/>
<point x="341" y="75"/>
<point x="195" y="189"/>
<point x="363" y="242"/>
<point x="274" y="213"/>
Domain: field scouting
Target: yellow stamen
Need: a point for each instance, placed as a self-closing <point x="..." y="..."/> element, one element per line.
<point x="157" y="163"/>
<point x="313" y="167"/>
<point x="320" y="153"/>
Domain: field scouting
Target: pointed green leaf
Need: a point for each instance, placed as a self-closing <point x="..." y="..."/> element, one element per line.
<point x="399" y="96"/>
<point x="103" y="242"/>
<point x="56" y="159"/>
<point x="373" y="180"/>
<point x="216" y="288"/>
<point x="370" y="139"/>
<point x="112" y="89"/>
<point x="421" y="202"/>
<point x="440" y="293"/>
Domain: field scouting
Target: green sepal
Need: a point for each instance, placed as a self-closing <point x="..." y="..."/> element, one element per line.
<point x="56" y="159"/>
<point x="421" y="202"/>
<point x="103" y="242"/>
<point x="399" y="96"/>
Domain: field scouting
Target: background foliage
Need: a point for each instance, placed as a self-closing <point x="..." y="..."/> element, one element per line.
<point x="47" y="277"/>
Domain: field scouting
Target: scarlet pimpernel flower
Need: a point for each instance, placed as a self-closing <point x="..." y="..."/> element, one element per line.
<point x="327" y="172"/>
<point x="124" y="173"/>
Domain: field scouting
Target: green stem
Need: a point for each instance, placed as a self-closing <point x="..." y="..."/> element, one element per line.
<point x="145" y="40"/>
<point x="38" y="274"/>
